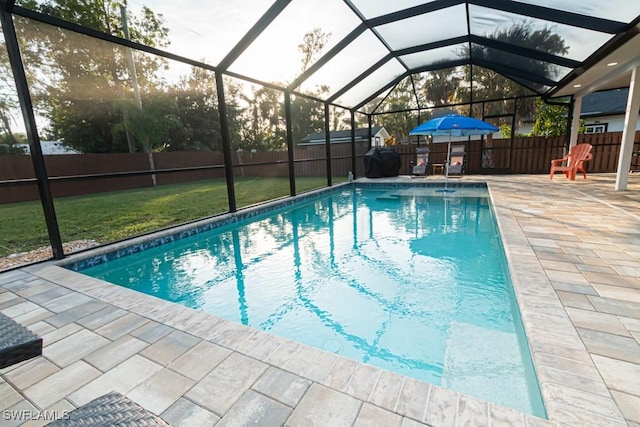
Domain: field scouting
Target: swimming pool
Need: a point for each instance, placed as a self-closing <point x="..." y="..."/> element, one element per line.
<point x="403" y="278"/>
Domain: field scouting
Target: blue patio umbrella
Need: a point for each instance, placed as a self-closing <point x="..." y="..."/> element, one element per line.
<point x="453" y="125"/>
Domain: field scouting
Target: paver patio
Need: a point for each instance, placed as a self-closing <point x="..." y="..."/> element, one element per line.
<point x="574" y="254"/>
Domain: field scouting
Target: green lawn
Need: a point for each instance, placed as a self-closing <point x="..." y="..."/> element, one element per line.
<point x="106" y="217"/>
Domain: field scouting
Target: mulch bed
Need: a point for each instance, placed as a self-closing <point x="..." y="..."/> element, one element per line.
<point x="43" y="253"/>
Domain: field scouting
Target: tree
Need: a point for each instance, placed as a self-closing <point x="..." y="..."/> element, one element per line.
<point x="236" y="114"/>
<point x="551" y="120"/>
<point x="82" y="84"/>
<point x="262" y="118"/>
<point x="196" y="107"/>
<point x="265" y="129"/>
<point x="307" y="117"/>
<point x="150" y="126"/>
<point x="8" y="105"/>
<point x="9" y="143"/>
<point x="339" y="119"/>
<point x="401" y="97"/>
<point x="489" y="84"/>
<point x="256" y="114"/>
<point x="312" y="44"/>
<point x="442" y="87"/>
<point x="505" y="131"/>
<point x="307" y="114"/>
<point x="8" y="140"/>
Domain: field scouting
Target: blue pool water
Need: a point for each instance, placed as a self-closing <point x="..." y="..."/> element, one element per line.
<point x="406" y="279"/>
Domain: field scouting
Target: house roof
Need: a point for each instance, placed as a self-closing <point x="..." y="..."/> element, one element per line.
<point x="50" y="148"/>
<point x="339" y="136"/>
<point x="605" y="103"/>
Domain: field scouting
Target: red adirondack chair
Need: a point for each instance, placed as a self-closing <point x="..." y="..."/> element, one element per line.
<point x="573" y="162"/>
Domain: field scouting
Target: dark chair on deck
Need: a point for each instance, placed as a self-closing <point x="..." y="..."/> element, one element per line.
<point x="17" y="343"/>
<point x="112" y="409"/>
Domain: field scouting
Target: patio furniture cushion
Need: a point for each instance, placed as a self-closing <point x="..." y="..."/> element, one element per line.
<point x="110" y="410"/>
<point x="17" y="343"/>
<point x="456" y="160"/>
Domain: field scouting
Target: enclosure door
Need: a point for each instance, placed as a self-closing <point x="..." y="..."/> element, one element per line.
<point x="496" y="152"/>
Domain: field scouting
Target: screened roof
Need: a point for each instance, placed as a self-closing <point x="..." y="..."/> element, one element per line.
<point x="370" y="46"/>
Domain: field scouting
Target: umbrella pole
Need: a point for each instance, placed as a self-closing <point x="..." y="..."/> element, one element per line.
<point x="446" y="166"/>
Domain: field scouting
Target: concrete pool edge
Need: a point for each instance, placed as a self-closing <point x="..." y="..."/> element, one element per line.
<point x="556" y="347"/>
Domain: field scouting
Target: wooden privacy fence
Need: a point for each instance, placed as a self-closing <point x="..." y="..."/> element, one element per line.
<point x="527" y="155"/>
<point x="80" y="167"/>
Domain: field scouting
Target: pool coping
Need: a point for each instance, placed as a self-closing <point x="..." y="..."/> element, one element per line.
<point x="551" y="336"/>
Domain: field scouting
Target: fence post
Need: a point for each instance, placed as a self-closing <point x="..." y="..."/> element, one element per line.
<point x="327" y="143"/>
<point x="353" y="143"/>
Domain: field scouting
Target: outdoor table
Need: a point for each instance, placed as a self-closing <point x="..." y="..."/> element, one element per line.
<point x="438" y="168"/>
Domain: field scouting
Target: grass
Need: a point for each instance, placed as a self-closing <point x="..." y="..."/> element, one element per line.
<point x="106" y="217"/>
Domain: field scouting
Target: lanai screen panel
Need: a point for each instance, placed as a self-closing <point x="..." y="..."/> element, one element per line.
<point x="348" y="64"/>
<point x="434" y="56"/>
<point x="383" y="75"/>
<point x="485" y="79"/>
<point x="372" y="105"/>
<point x="276" y="56"/>
<point x="371" y="9"/>
<point x="545" y="70"/>
<point x="616" y="10"/>
<point x="13" y="168"/>
<point x="528" y="85"/>
<point x="402" y="96"/>
<point x="565" y="41"/>
<point x="445" y="86"/>
<point x="426" y="28"/>
<point x="197" y="29"/>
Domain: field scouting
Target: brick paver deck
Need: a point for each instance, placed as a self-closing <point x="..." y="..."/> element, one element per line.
<point x="574" y="255"/>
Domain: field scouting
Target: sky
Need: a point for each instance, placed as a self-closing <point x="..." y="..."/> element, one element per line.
<point x="217" y="26"/>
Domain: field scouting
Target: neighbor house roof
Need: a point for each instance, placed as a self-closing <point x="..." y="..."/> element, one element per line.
<point x="339" y="136"/>
<point x="605" y="103"/>
<point x="51" y="148"/>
